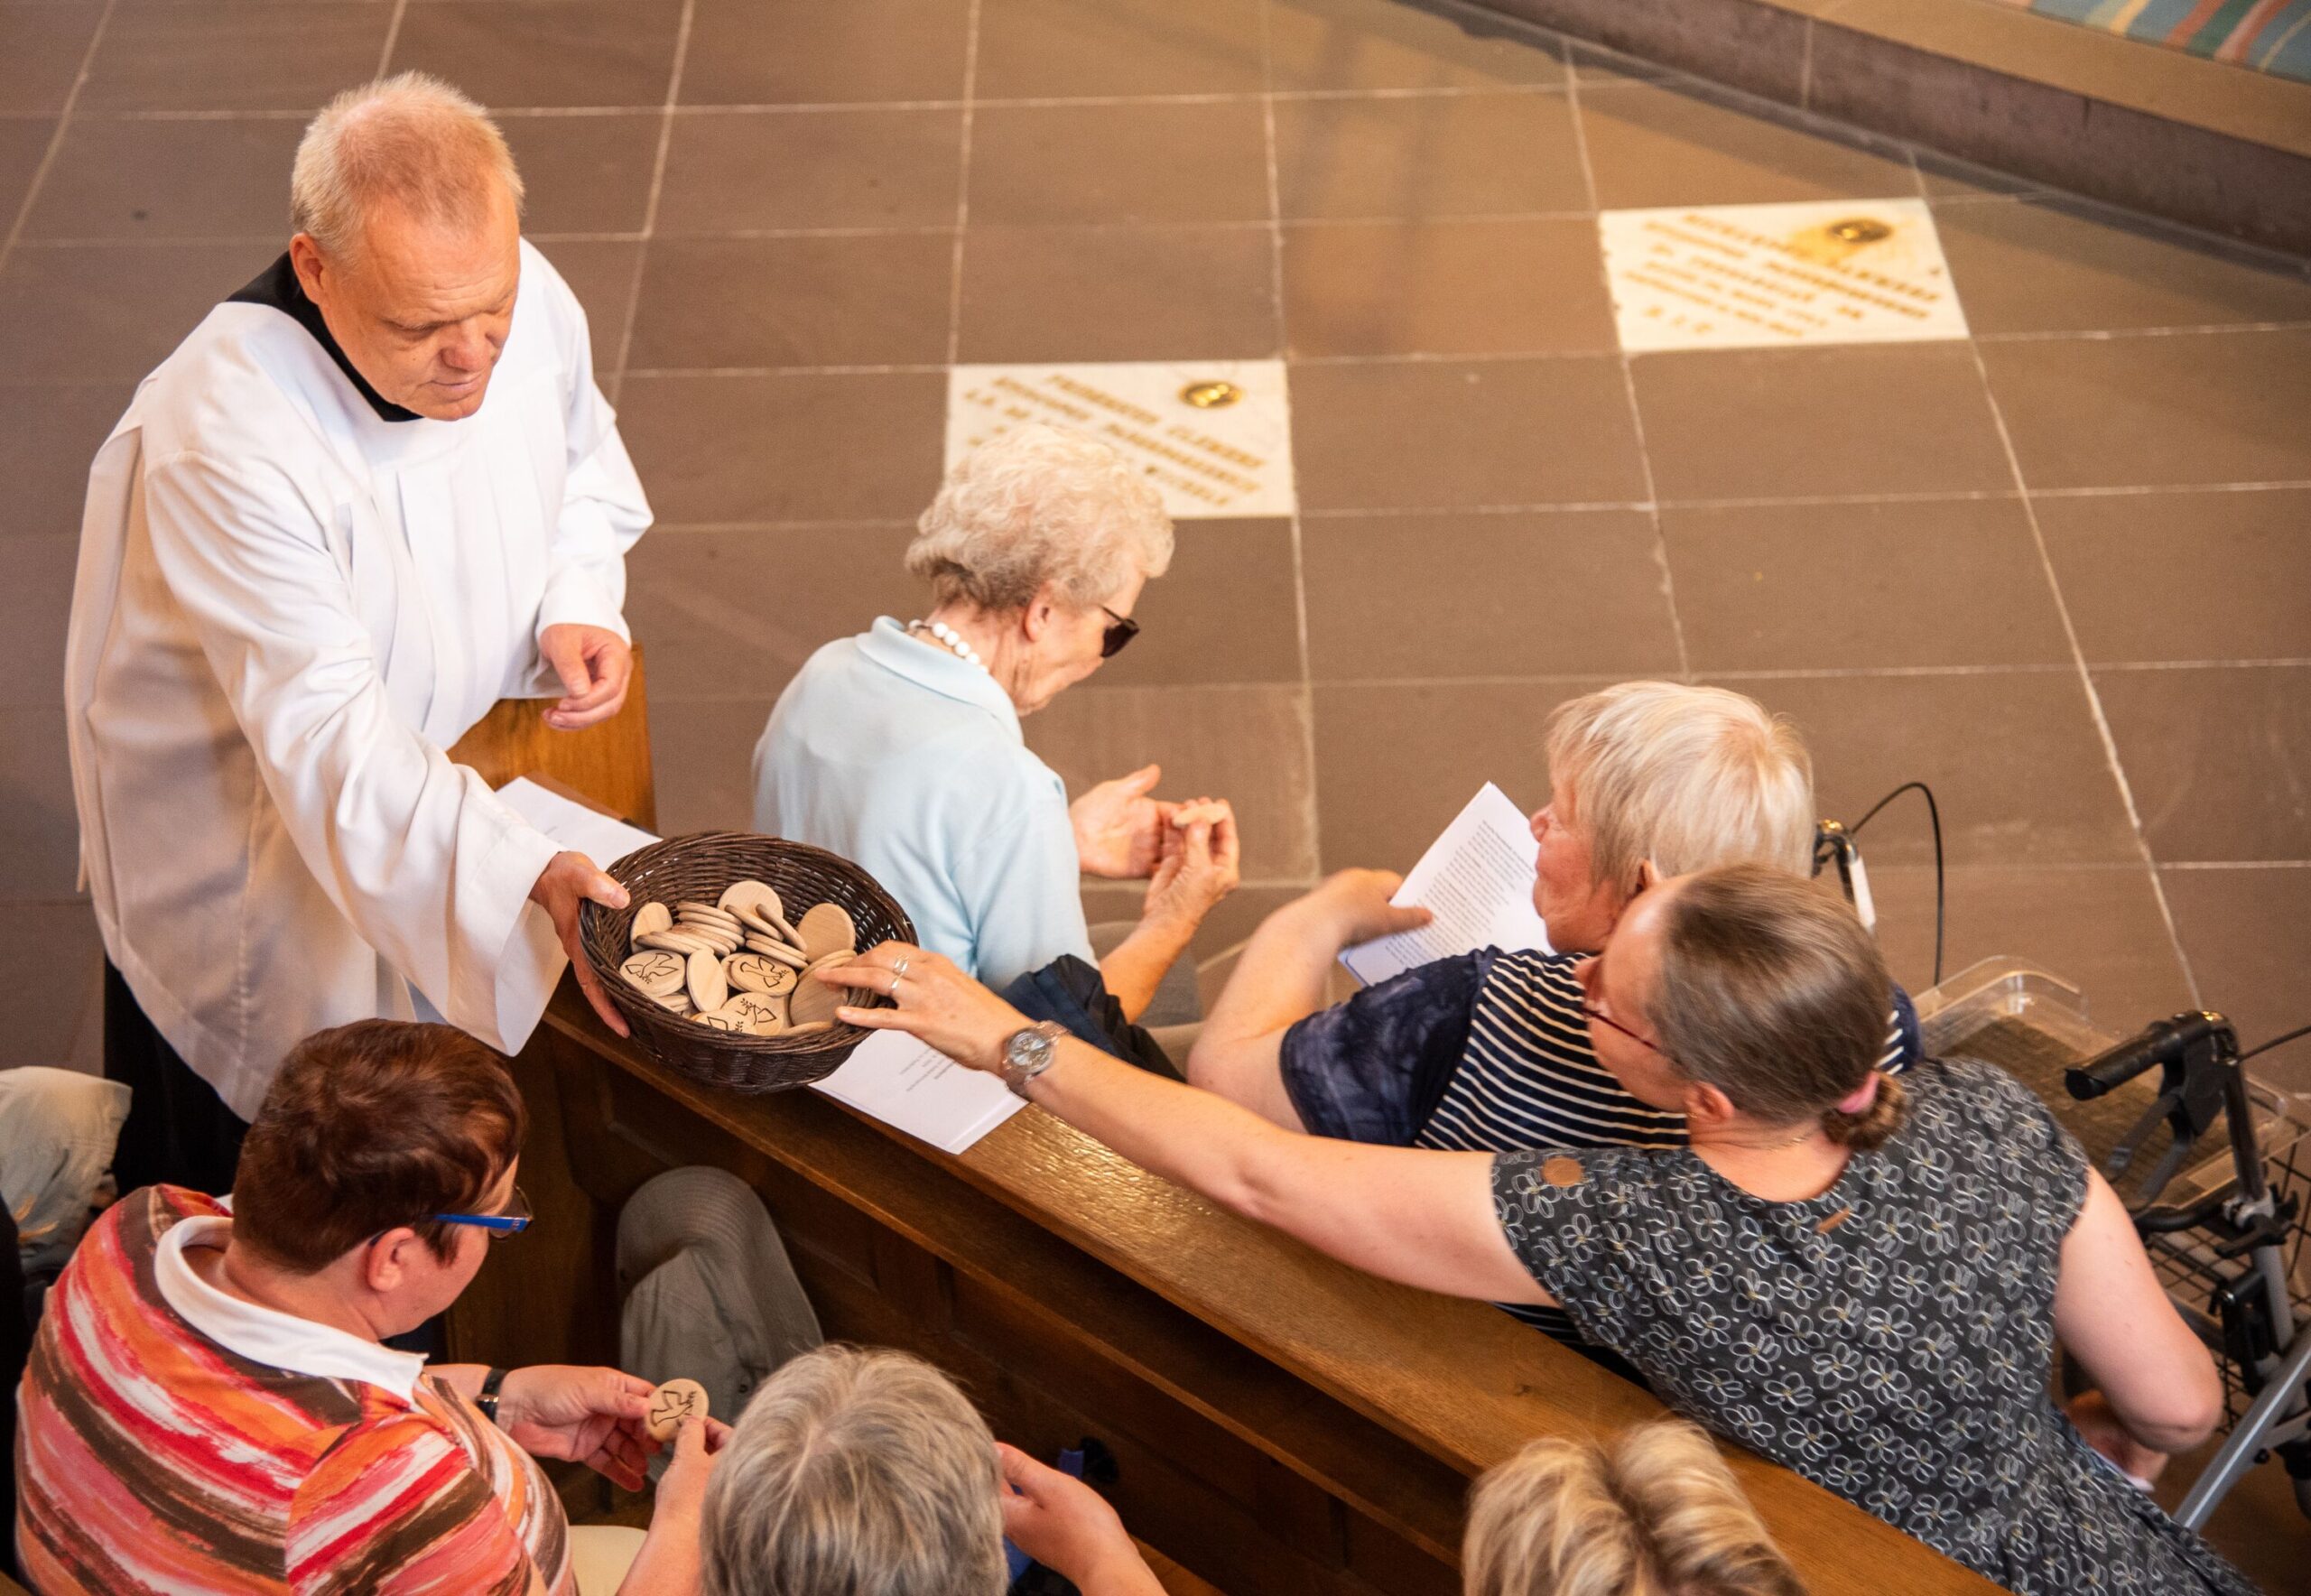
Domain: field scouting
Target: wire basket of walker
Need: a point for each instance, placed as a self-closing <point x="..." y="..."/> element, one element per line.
<point x="710" y="960"/>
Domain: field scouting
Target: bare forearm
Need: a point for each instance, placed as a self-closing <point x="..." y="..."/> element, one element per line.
<point x="464" y="1379"/>
<point x="1125" y="1575"/>
<point x="1425" y="1219"/>
<point x="1190" y="1137"/>
<point x="668" y="1563"/>
<point x="1279" y="979"/>
<point x="1137" y="965"/>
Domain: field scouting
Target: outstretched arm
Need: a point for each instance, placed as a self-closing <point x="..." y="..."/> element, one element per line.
<point x="1425" y="1219"/>
<point x="1280" y="979"/>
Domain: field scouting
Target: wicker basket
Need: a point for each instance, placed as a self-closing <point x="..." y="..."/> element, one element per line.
<point x="698" y="867"/>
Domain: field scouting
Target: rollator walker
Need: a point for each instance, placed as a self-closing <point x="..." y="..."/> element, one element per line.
<point x="2226" y="1235"/>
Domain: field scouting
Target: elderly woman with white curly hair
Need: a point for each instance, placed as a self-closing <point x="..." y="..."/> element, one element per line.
<point x="900" y="748"/>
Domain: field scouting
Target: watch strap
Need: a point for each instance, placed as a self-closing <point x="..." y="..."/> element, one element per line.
<point x="487" y="1400"/>
<point x="1018" y="1074"/>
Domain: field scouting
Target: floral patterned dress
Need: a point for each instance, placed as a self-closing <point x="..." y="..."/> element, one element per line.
<point x="1889" y="1340"/>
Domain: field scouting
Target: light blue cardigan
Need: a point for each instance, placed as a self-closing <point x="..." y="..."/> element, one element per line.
<point x="899" y="756"/>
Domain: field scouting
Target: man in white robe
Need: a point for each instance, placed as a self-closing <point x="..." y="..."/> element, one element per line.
<point x="374" y="491"/>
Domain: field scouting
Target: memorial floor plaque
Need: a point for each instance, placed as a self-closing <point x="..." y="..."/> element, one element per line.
<point x="1744" y="276"/>
<point x="1214" y="436"/>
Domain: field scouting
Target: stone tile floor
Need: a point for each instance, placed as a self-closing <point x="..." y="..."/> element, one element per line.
<point x="2060" y="569"/>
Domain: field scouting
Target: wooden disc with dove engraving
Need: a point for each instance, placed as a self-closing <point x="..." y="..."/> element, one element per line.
<point x="671" y="1404"/>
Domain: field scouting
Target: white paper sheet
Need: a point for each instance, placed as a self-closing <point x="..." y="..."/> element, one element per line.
<point x="923" y="1092"/>
<point x="1478" y="877"/>
<point x="573" y="825"/>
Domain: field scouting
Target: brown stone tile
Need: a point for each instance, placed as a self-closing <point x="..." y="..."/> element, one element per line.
<point x="1200" y="162"/>
<point x="24" y="141"/>
<point x="733" y="614"/>
<point x="1247" y="745"/>
<point x="2013" y="757"/>
<point x="2097" y="928"/>
<point x="742" y="53"/>
<point x="2219" y="759"/>
<point x="740" y="170"/>
<point x="40" y="850"/>
<point x="1452" y="435"/>
<point x="854" y="446"/>
<point x="1841" y="586"/>
<point x="702" y="759"/>
<point x="236" y="55"/>
<point x="1228" y="610"/>
<point x="585" y="174"/>
<point x="545" y="52"/>
<point x="49" y="435"/>
<point x="105" y="313"/>
<point x="1422" y="596"/>
<point x="168" y="179"/>
<point x="2244" y="932"/>
<point x="832" y="300"/>
<point x="1769" y="424"/>
<point x="45" y="1018"/>
<point x="600" y="273"/>
<point x="2157" y="411"/>
<point x="1118" y="293"/>
<point x="1099" y="49"/>
<point x="2184" y="576"/>
<point x="44" y="47"/>
<point x="1332" y="44"/>
<point x="35" y="601"/>
<point x="1394" y="765"/>
<point x="1446" y="288"/>
<point x="1461" y="154"/>
<point x="1652" y="144"/>
<point x="2056" y="266"/>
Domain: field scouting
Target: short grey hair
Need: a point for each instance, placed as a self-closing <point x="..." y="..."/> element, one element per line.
<point x="410" y="141"/>
<point x="1684" y="777"/>
<point x="859" y="1470"/>
<point x="1040" y="504"/>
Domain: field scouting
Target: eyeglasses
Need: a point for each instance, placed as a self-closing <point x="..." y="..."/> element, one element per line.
<point x="1603" y="1018"/>
<point x="512" y="1222"/>
<point x="1124" y="630"/>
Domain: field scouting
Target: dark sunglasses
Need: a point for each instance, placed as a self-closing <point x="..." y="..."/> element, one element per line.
<point x="1124" y="630"/>
<point x="512" y="1222"/>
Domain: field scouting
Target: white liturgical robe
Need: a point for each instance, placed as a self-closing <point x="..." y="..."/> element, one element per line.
<point x="287" y="606"/>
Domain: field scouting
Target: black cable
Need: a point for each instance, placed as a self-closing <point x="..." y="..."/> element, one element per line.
<point x="1934" y="816"/>
<point x="2274" y="1042"/>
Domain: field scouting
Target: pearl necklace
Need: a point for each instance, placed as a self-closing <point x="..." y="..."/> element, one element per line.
<point x="952" y="640"/>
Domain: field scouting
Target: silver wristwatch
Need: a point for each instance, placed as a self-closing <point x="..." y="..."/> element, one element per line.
<point x="1029" y="1053"/>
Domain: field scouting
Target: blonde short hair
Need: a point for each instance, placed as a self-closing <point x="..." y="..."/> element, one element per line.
<point x="1684" y="777"/>
<point x="1040" y="504"/>
<point x="854" y="1469"/>
<point x="1655" y="1513"/>
<point x="409" y="141"/>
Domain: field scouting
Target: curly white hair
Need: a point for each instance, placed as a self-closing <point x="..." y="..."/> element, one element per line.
<point x="1040" y="504"/>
